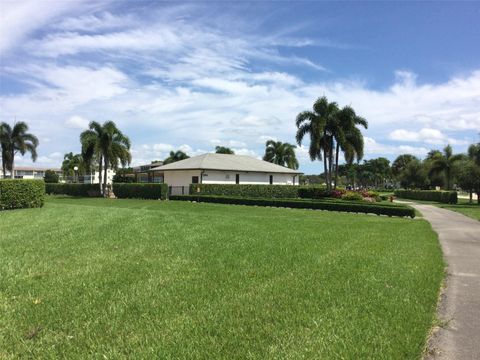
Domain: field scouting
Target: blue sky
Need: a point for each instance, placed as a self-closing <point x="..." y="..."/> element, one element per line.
<point x="195" y="75"/>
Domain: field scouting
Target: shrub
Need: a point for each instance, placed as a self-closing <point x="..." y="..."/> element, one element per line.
<point x="446" y="197"/>
<point x="91" y="190"/>
<point x="313" y="192"/>
<point x="140" y="190"/>
<point x="17" y="194"/>
<point x="50" y="177"/>
<point x="352" y="195"/>
<point x="304" y="204"/>
<point x="264" y="191"/>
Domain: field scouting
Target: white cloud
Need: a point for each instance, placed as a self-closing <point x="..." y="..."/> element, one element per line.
<point x="373" y="149"/>
<point x="426" y="135"/>
<point x="77" y="122"/>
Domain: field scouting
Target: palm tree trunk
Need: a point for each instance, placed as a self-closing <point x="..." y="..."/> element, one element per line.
<point x="325" y="168"/>
<point x="336" y="165"/>
<point x="105" y="175"/>
<point x="100" y="167"/>
<point x="12" y="164"/>
<point x="471" y="196"/>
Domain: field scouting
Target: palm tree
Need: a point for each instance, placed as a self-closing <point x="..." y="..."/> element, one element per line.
<point x="281" y="154"/>
<point x="444" y="163"/>
<point x="317" y="124"/>
<point x="108" y="144"/>
<point x="16" y="140"/>
<point x="474" y="153"/>
<point x="175" y="156"/>
<point x="347" y="136"/>
<point x="224" y="150"/>
<point x="70" y="160"/>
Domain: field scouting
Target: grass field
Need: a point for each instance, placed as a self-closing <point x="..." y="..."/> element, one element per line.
<point x="110" y="279"/>
<point x="465" y="208"/>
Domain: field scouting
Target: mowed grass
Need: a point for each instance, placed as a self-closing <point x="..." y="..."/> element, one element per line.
<point x="113" y="279"/>
<point x="465" y="207"/>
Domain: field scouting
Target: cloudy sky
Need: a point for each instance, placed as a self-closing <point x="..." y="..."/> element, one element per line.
<point x="192" y="76"/>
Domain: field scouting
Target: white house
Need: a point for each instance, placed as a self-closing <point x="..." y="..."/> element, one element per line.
<point x="27" y="172"/>
<point x="224" y="169"/>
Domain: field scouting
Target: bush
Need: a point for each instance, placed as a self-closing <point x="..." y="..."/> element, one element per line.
<point x="313" y="192"/>
<point x="367" y="208"/>
<point x="140" y="191"/>
<point x="92" y="190"/>
<point x="17" y="194"/>
<point x="50" y="177"/>
<point x="352" y="195"/>
<point x="446" y="197"/>
<point x="263" y="191"/>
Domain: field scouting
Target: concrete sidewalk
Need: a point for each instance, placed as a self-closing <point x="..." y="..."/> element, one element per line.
<point x="459" y="236"/>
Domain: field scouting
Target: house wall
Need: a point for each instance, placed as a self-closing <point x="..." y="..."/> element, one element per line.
<point x="184" y="177"/>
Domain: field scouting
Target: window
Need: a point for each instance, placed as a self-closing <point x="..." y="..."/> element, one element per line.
<point x="237" y="178"/>
<point x="194" y="179"/>
<point x="271" y="179"/>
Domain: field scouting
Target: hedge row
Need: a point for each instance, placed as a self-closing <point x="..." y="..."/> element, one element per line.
<point x="263" y="191"/>
<point x="92" y="190"/>
<point x="367" y="208"/>
<point x="17" y="194"/>
<point x="140" y="190"/>
<point x="446" y="197"/>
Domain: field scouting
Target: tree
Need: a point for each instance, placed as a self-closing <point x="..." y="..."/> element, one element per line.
<point x="108" y="144"/>
<point x="224" y="150"/>
<point x="70" y="160"/>
<point x="317" y="124"/>
<point x="175" y="156"/>
<point x="474" y="153"/>
<point x="413" y="175"/>
<point x="401" y="163"/>
<point x="443" y="163"/>
<point x="281" y="154"/>
<point x="348" y="137"/>
<point x="50" y="177"/>
<point x="16" y="140"/>
<point x="469" y="178"/>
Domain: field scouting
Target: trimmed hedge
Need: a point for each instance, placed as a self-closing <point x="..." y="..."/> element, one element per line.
<point x="18" y="194"/>
<point x="263" y="191"/>
<point x="446" y="197"/>
<point x="92" y="190"/>
<point x="313" y="192"/>
<point x="140" y="190"/>
<point x="367" y="208"/>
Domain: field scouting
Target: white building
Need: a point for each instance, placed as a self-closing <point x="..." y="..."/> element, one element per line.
<point x="224" y="169"/>
<point x="27" y="172"/>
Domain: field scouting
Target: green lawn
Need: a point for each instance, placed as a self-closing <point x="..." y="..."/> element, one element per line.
<point x="110" y="279"/>
<point x="465" y="208"/>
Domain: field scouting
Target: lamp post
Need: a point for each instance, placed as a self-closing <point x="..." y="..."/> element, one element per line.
<point x="75" y="168"/>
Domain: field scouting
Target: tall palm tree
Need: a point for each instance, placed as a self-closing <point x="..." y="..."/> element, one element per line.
<point x="175" y="156"/>
<point x="108" y="144"/>
<point x="13" y="141"/>
<point x="444" y="163"/>
<point x="224" y="150"/>
<point x="348" y="136"/>
<point x="281" y="154"/>
<point x="318" y="125"/>
<point x="70" y="160"/>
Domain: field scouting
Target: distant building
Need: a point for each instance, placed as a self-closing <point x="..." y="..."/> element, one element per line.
<point x="27" y="172"/>
<point x="92" y="178"/>
<point x="146" y="174"/>
<point x="223" y="169"/>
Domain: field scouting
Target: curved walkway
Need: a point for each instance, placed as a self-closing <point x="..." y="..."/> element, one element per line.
<point x="459" y="236"/>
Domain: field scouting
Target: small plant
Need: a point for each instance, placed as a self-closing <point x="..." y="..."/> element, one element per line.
<point x="352" y="196"/>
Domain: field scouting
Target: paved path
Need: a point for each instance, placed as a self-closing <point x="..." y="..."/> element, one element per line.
<point x="460" y="304"/>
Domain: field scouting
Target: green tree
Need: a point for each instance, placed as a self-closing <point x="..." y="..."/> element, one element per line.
<point x="469" y="178"/>
<point x="13" y="141"/>
<point x="50" y="177"/>
<point x="444" y="163"/>
<point x="318" y="125"/>
<point x="281" y="154"/>
<point x="413" y="175"/>
<point x="175" y="156"/>
<point x="108" y="144"/>
<point x="474" y="153"/>
<point x="70" y="160"/>
<point x="401" y="162"/>
<point x="224" y="150"/>
<point x="348" y="136"/>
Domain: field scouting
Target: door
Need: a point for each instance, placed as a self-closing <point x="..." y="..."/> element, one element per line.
<point x="271" y="179"/>
<point x="237" y="178"/>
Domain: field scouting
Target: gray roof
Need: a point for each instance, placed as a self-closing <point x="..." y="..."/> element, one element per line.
<point x="226" y="162"/>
